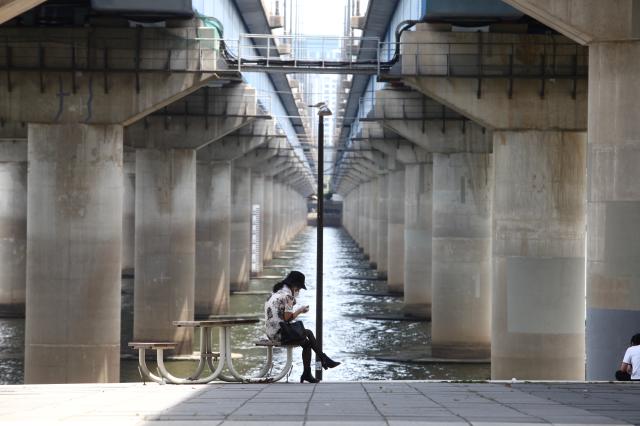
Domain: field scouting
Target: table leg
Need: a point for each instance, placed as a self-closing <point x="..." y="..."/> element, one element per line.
<point x="230" y="367"/>
<point x="217" y="372"/>
<point x="268" y="364"/>
<point x="287" y="366"/>
<point x="203" y="354"/>
<point x="261" y="375"/>
<point x="180" y="381"/>
<point x="144" y="370"/>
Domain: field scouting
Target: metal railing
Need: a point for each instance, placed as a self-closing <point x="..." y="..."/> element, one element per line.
<point x="298" y="53"/>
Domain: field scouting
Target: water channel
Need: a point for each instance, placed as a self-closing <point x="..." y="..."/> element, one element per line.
<point x="350" y="295"/>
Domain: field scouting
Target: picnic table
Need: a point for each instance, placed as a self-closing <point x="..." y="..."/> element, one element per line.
<point x="208" y="357"/>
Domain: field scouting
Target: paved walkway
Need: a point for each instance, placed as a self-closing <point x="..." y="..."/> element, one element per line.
<point x="370" y="403"/>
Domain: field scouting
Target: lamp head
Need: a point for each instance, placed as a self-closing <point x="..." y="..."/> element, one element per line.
<point x="323" y="109"/>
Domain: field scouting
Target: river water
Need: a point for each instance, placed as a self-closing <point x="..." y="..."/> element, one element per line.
<point x="349" y="337"/>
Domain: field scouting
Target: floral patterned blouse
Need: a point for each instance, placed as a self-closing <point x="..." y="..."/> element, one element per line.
<point x="280" y="302"/>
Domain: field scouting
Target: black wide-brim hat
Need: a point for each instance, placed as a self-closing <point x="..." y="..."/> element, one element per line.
<point x="295" y="278"/>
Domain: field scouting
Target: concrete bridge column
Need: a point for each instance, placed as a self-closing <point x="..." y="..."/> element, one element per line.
<point x="383" y="224"/>
<point x="273" y="228"/>
<point x="536" y="112"/>
<point x="610" y="29"/>
<point x="364" y="215"/>
<point x="288" y="229"/>
<point x="538" y="250"/>
<point x="613" y="257"/>
<point x="373" y="223"/>
<point x="282" y="223"/>
<point x="129" y="213"/>
<point x="257" y="198"/>
<point x="164" y="284"/>
<point x="347" y="216"/>
<point x="345" y="213"/>
<point x="267" y="218"/>
<point x="13" y="235"/>
<point x="74" y="243"/>
<point x="360" y="214"/>
<point x="240" y="228"/>
<point x="277" y="215"/>
<point x="461" y="267"/>
<point x="417" y="238"/>
<point x="395" y="232"/>
<point x="213" y="238"/>
<point x="354" y="221"/>
<point x="353" y="213"/>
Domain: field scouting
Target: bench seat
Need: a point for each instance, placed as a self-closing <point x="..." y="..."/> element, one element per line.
<point x="153" y="345"/>
<point x="273" y="343"/>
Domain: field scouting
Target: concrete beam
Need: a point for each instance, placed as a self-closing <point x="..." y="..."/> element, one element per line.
<point x="488" y="101"/>
<point x="257" y="157"/>
<point x="9" y="9"/>
<point x="403" y="151"/>
<point x="91" y="91"/>
<point x="586" y="21"/>
<point x="166" y="131"/>
<point x="442" y="135"/>
<point x="272" y="166"/>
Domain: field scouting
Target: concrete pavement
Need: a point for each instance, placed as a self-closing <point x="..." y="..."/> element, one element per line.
<point x="370" y="403"/>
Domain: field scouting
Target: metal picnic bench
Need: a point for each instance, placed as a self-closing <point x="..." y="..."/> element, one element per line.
<point x="207" y="356"/>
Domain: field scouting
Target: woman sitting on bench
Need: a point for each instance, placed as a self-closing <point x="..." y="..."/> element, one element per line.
<point x="279" y="308"/>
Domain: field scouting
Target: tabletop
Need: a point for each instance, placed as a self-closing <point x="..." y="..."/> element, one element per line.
<point x="216" y="320"/>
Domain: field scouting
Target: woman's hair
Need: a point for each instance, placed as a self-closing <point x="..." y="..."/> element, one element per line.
<point x="635" y="340"/>
<point x="278" y="286"/>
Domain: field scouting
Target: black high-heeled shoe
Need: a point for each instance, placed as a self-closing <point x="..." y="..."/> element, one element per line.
<point x="328" y="362"/>
<point x="307" y="376"/>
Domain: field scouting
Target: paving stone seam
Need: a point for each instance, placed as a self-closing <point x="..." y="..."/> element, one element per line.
<point x="440" y="405"/>
<point x="383" y="417"/>
<point x="543" y="420"/>
<point x="227" y="417"/>
<point x="306" y="410"/>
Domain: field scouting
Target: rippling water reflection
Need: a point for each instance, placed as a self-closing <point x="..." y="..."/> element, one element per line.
<point x="348" y="337"/>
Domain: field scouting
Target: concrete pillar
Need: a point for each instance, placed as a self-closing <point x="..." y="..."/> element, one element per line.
<point x="286" y="208"/>
<point x="267" y="228"/>
<point x="74" y="244"/>
<point x="395" y="229"/>
<point x="363" y="231"/>
<point x="240" y="228"/>
<point x="213" y="239"/>
<point x="613" y="256"/>
<point x="461" y="255"/>
<point x="417" y="238"/>
<point x="538" y="251"/>
<point x="277" y="217"/>
<point x="373" y="222"/>
<point x="257" y="199"/>
<point x="355" y="219"/>
<point x="129" y="214"/>
<point x="383" y="223"/>
<point x="365" y="215"/>
<point x="351" y="219"/>
<point x="164" y="284"/>
<point x="13" y="238"/>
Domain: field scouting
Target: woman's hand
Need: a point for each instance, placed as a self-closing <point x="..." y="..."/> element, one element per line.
<point x="288" y="316"/>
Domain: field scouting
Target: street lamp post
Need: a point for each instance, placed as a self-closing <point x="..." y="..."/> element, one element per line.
<point x="322" y="112"/>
